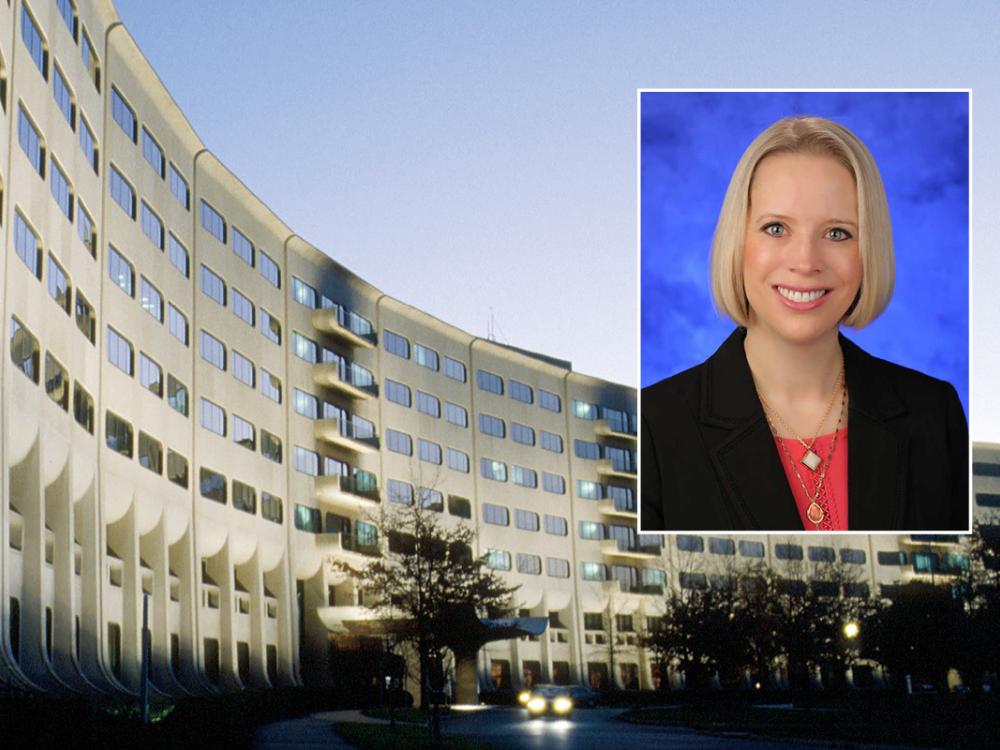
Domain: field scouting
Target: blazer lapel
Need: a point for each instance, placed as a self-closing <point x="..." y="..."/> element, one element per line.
<point x="746" y="459"/>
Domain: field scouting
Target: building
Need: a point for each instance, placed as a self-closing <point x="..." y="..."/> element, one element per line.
<point x="201" y="407"/>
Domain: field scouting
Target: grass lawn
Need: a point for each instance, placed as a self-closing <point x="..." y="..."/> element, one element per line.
<point x="411" y="715"/>
<point x="406" y="737"/>
<point x="954" y="722"/>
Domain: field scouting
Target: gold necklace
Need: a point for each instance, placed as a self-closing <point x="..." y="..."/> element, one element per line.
<point x="815" y="512"/>
<point x="809" y="458"/>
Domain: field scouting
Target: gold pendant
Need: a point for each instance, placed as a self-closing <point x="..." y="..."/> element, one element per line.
<point x="811" y="460"/>
<point x="815" y="513"/>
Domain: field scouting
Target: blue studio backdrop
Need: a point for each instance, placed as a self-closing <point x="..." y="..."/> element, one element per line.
<point x="690" y="144"/>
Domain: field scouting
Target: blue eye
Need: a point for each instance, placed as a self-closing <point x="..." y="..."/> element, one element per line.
<point x="838" y="235"/>
<point x="774" y="229"/>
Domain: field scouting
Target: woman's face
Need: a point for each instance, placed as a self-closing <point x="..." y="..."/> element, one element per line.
<point x="801" y="263"/>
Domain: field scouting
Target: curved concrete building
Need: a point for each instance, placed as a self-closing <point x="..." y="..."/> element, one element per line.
<point x="202" y="407"/>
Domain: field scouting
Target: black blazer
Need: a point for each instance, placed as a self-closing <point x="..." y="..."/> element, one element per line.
<point x="709" y="461"/>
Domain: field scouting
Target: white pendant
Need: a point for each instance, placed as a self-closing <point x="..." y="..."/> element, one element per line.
<point x="811" y="460"/>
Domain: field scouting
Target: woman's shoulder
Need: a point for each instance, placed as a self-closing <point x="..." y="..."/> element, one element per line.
<point x="911" y="386"/>
<point x="674" y="392"/>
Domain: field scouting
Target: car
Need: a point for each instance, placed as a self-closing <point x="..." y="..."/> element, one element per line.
<point x="549" y="700"/>
<point x="584" y="697"/>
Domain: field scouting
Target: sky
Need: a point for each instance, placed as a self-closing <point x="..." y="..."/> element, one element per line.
<point x="478" y="159"/>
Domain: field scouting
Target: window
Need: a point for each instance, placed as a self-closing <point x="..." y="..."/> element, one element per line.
<point x="271" y="507"/>
<point x="693" y="580"/>
<point x="549" y="401"/>
<point x="589" y="490"/>
<point x="428" y="404"/>
<point x="398" y="442"/>
<point x="523" y="476"/>
<point x="64" y="98"/>
<point x="177" y="324"/>
<point x="178" y="185"/>
<point x="585" y="449"/>
<point x="987" y="500"/>
<point x="270" y="327"/>
<point x="85" y="229"/>
<point x="492" y="469"/>
<point x="593" y="571"/>
<point x="555" y="525"/>
<point x="305" y="404"/>
<point x="31" y="142"/>
<point x="119" y="351"/>
<point x="397" y="392"/>
<point x="268" y="269"/>
<point x="32" y="38"/>
<point x="529" y="564"/>
<point x="150" y="375"/>
<point x="556" y="567"/>
<point x="553" y="483"/>
<point x="153" y="154"/>
<point x="243" y="369"/>
<point x="27" y="245"/>
<point x="123" y="114"/>
<point x="65" y="8"/>
<point x="90" y="62"/>
<point x="526" y="519"/>
<point x="821" y="554"/>
<point x="150" y="299"/>
<point x="583" y="410"/>
<point x="56" y="381"/>
<point x="304" y="294"/>
<point x="425" y="357"/>
<point x="243" y="308"/>
<point x="306" y="461"/>
<point x="308" y="519"/>
<point x="458" y="460"/>
<point x="396" y="344"/>
<point x="551" y="442"/>
<point x="177" y="395"/>
<point x="431" y="500"/>
<point x="244" y="433"/>
<point x="496" y="514"/>
<point x="490" y="382"/>
<point x="83" y="408"/>
<point x="120" y="271"/>
<point x="118" y="434"/>
<point x="152" y="227"/>
<point x="521" y="433"/>
<point x="213" y="222"/>
<point x="593" y="621"/>
<point x="122" y="192"/>
<point x="983" y="469"/>
<point x="497" y="559"/>
<point x="213" y="286"/>
<point x="270" y="446"/>
<point x="592" y="530"/>
<point x="212" y="485"/>
<point x="270" y="386"/>
<point x="62" y="193"/>
<point x="304" y="348"/>
<point x="456" y="414"/>
<point x="88" y="143"/>
<point x="853" y="556"/>
<point x="429" y="452"/>
<point x="213" y="417"/>
<point x="59" y="285"/>
<point x="520" y="391"/>
<point x="399" y="492"/>
<point x="719" y="546"/>
<point x="244" y="497"/>
<point x="751" y="549"/>
<point x="459" y="506"/>
<point x="490" y="425"/>
<point x="178" y="255"/>
<point x="213" y="351"/>
<point x="454" y="369"/>
<point x="177" y="468"/>
<point x="688" y="543"/>
<point x="788" y="551"/>
<point x="150" y="453"/>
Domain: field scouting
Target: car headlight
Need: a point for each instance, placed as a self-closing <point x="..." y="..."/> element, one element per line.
<point x="536" y="704"/>
<point x="523" y="697"/>
<point x="562" y="705"/>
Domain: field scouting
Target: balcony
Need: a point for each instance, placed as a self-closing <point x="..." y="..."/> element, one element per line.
<point x="629" y="548"/>
<point x="332" y="375"/>
<point x="344" y="434"/>
<point x="346" y="494"/>
<point x="617" y="508"/>
<point x="347" y="547"/>
<point x="337" y="322"/>
<point x="610" y="467"/>
<point x="617" y="428"/>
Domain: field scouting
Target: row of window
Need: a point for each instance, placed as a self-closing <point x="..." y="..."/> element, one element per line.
<point x="782" y="551"/>
<point x="791" y="587"/>
<point x="618" y="420"/>
<point x="308" y="297"/>
<point x="648" y="580"/>
<point x="491" y="468"/>
<point x="213" y="418"/>
<point x="527" y="564"/>
<point x="354" y="480"/>
<point x="623" y="497"/>
<point x="212" y="486"/>
<point x="622" y="459"/>
<point x="38" y="48"/>
<point x="25" y="354"/>
<point x="32" y="143"/>
<point x="350" y="425"/>
<point x="119" y="437"/>
<point x="493" y="383"/>
<point x="527" y="520"/>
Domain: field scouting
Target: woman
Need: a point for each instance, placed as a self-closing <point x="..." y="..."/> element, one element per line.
<point x="789" y="426"/>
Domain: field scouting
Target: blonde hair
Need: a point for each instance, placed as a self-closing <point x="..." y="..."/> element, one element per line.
<point x="812" y="135"/>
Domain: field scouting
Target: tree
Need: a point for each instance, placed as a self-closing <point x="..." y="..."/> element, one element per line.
<point x="429" y="582"/>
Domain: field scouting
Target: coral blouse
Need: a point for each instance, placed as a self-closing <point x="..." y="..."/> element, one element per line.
<point x="833" y="496"/>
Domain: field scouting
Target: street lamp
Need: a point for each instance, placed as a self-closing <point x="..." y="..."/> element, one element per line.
<point x="851" y="630"/>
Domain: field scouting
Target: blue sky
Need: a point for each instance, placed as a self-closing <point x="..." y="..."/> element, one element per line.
<point x="468" y="156"/>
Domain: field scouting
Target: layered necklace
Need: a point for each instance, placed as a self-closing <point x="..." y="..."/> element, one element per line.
<point x="818" y="510"/>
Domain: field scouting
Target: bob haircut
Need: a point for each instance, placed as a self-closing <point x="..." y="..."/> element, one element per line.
<point x="810" y="135"/>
